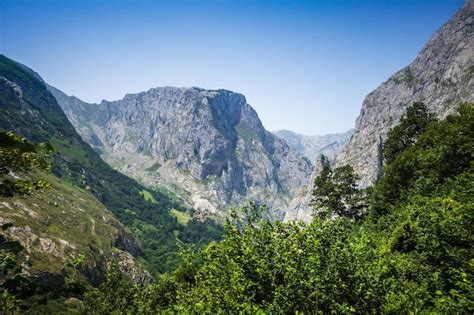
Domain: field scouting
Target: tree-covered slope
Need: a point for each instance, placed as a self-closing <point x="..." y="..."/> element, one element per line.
<point x="410" y="252"/>
<point x="56" y="239"/>
<point x="29" y="109"/>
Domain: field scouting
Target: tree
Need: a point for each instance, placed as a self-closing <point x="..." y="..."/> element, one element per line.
<point x="413" y="123"/>
<point x="442" y="152"/>
<point x="336" y="192"/>
<point x="18" y="156"/>
<point x="116" y="295"/>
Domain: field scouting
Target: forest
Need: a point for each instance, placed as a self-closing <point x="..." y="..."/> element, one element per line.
<point x="404" y="244"/>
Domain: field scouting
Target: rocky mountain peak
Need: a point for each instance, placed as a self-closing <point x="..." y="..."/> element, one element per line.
<point x="441" y="76"/>
<point x="208" y="146"/>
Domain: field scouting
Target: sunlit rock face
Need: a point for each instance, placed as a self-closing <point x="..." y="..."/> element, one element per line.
<point x="441" y="76"/>
<point x="209" y="147"/>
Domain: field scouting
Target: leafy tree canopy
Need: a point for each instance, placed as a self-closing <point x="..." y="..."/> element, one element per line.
<point x="18" y="156"/>
<point x="412" y="124"/>
<point x="335" y="192"/>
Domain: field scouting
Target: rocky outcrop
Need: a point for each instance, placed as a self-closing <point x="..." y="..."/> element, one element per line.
<point x="53" y="227"/>
<point x="442" y="76"/>
<point x="57" y="225"/>
<point x="208" y="146"/>
<point x="313" y="146"/>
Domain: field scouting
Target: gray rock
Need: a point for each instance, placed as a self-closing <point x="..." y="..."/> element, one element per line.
<point x="313" y="146"/>
<point x="208" y="146"/>
<point x="441" y="76"/>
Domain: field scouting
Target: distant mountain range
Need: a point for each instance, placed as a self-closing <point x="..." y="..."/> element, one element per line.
<point x="313" y="146"/>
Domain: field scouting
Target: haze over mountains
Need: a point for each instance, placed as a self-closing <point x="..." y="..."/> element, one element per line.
<point x="133" y="180"/>
<point x="208" y="147"/>
<point x="313" y="146"/>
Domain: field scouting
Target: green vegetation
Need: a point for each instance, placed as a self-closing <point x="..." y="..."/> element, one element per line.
<point x="245" y="133"/>
<point x="404" y="246"/>
<point x="335" y="192"/>
<point x="154" y="167"/>
<point x="410" y="252"/>
<point x="56" y="224"/>
<point x="406" y="133"/>
<point x="148" y="196"/>
<point x="182" y="217"/>
<point x="37" y="117"/>
<point x="18" y="156"/>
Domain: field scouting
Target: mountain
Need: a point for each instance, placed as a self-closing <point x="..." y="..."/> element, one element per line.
<point x="49" y="235"/>
<point x="441" y="76"/>
<point x="91" y="209"/>
<point x="208" y="146"/>
<point x="313" y="146"/>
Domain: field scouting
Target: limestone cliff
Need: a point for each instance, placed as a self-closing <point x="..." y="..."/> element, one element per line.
<point x="441" y="76"/>
<point x="208" y="146"/>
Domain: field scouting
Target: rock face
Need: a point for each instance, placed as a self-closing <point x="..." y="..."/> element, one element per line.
<point x="207" y="146"/>
<point x="313" y="146"/>
<point x="441" y="76"/>
<point x="54" y="226"/>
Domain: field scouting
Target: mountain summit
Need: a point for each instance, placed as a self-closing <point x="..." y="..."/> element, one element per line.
<point x="208" y="146"/>
<point x="441" y="76"/>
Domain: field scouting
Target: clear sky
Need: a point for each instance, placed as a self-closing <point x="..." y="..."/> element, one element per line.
<point x="303" y="65"/>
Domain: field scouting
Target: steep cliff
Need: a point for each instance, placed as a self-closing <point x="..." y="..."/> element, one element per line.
<point x="209" y="146"/>
<point x="27" y="108"/>
<point x="441" y="76"/>
<point x="56" y="225"/>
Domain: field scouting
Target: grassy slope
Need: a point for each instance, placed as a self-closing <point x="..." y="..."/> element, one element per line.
<point x="38" y="117"/>
<point x="57" y="224"/>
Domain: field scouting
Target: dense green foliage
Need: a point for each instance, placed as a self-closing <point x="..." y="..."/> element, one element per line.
<point x="412" y="124"/>
<point x="335" y="192"/>
<point x="412" y="252"/>
<point x="32" y="111"/>
<point x="18" y="156"/>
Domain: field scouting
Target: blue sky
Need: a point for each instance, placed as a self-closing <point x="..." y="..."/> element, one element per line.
<point x="303" y="65"/>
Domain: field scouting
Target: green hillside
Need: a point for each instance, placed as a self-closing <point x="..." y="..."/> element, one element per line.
<point x="405" y="246"/>
<point x="28" y="109"/>
<point x="55" y="238"/>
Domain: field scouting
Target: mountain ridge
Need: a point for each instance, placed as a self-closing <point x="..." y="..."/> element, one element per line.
<point x="209" y="146"/>
<point x="312" y="146"/>
<point x="29" y="109"/>
<point x="441" y="76"/>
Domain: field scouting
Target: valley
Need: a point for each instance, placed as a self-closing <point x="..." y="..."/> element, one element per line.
<point x="179" y="200"/>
